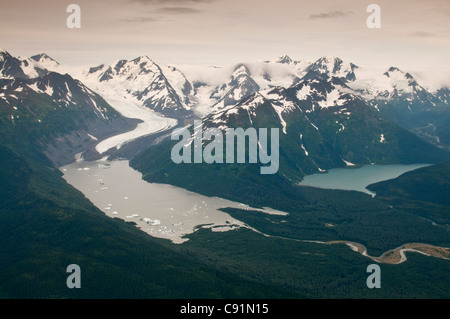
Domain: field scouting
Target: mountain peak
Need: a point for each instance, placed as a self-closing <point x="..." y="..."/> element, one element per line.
<point x="396" y="72"/>
<point x="43" y="57"/>
<point x="127" y="68"/>
<point x="328" y="64"/>
<point x="141" y="59"/>
<point x="329" y="59"/>
<point x="284" y="59"/>
<point x="394" y="69"/>
<point x="241" y="68"/>
<point x="96" y="68"/>
<point x="332" y="66"/>
<point x="240" y="73"/>
<point x="403" y="82"/>
<point x="4" y="54"/>
<point x="10" y="67"/>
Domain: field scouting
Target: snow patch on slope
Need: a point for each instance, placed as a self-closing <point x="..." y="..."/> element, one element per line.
<point x="332" y="99"/>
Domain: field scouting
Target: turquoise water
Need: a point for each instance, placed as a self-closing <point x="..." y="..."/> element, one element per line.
<point x="357" y="178"/>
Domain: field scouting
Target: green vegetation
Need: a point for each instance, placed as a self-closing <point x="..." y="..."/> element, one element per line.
<point x="357" y="217"/>
<point x="429" y="121"/>
<point x="378" y="231"/>
<point x="315" y="270"/>
<point x="47" y="225"/>
<point x="35" y="121"/>
<point x="424" y="191"/>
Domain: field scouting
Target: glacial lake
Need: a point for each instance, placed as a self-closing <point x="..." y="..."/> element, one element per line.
<point x="170" y="212"/>
<point x="160" y="210"/>
<point x="357" y="178"/>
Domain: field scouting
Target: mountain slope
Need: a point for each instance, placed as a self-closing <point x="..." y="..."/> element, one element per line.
<point x="358" y="132"/>
<point x="219" y="87"/>
<point x="401" y="99"/>
<point x="353" y="215"/>
<point x="423" y="192"/>
<point x="47" y="225"/>
<point x="321" y="124"/>
<point x="240" y="86"/>
<point x="331" y="67"/>
<point x="428" y="184"/>
<point x="145" y="82"/>
<point x="56" y="115"/>
<point x="10" y="67"/>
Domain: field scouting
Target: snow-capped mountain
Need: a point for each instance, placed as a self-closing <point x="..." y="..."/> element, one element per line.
<point x="240" y="86"/>
<point x="402" y="99"/>
<point x="372" y="85"/>
<point x="179" y="82"/>
<point x="323" y="125"/>
<point x="314" y="136"/>
<point x="390" y="85"/>
<point x="37" y="69"/>
<point x="284" y="59"/>
<point x="21" y="77"/>
<point x="180" y="91"/>
<point x="332" y="66"/>
<point x="26" y="68"/>
<point x="443" y="95"/>
<point x="219" y="87"/>
<point x="145" y="82"/>
<point x="322" y="92"/>
<point x="44" y="62"/>
<point x="11" y="67"/>
<point x="57" y="110"/>
<point x="184" y="91"/>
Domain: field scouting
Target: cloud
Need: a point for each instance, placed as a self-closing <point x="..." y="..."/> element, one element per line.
<point x="328" y="15"/>
<point x="140" y="19"/>
<point x="178" y="10"/>
<point x="422" y="34"/>
<point x="174" y="6"/>
<point x="179" y="2"/>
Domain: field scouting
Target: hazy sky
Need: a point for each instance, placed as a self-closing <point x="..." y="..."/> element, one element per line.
<point x="414" y="34"/>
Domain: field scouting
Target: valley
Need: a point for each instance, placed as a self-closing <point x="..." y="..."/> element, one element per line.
<point x="229" y="230"/>
<point x="162" y="211"/>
